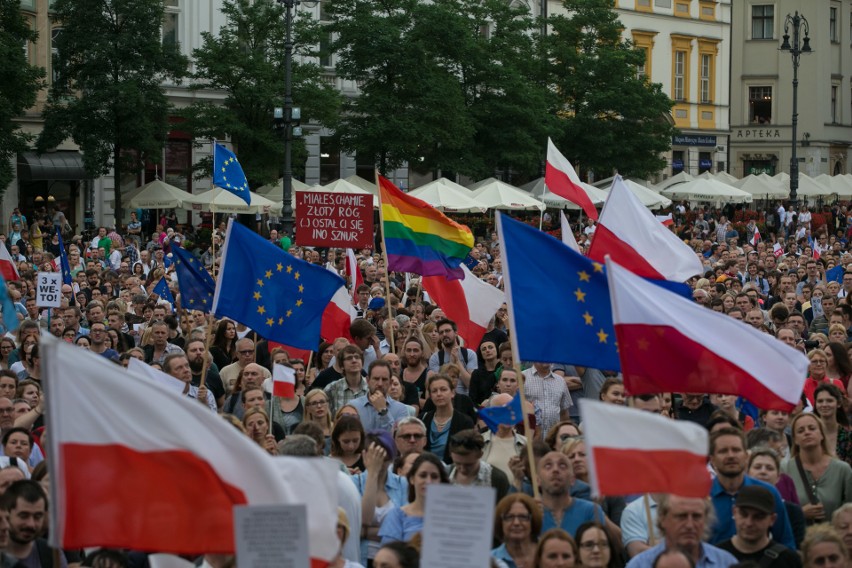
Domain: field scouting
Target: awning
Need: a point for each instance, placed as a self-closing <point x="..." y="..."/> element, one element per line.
<point x="64" y="166"/>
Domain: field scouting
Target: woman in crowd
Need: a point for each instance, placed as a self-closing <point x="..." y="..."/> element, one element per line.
<point x="397" y="392"/>
<point x="397" y="555"/>
<point x="347" y="443"/>
<point x="778" y="421"/>
<point x="7" y="346"/>
<point x="430" y="334"/>
<point x="765" y="465"/>
<point x="575" y="449"/>
<point x="824" y="548"/>
<point x="823" y="482"/>
<point x="841" y="520"/>
<point x="556" y="549"/>
<point x="837" y="334"/>
<point x="289" y="412"/>
<point x="84" y="342"/>
<point x="597" y="549"/>
<point x="32" y="363"/>
<point x="224" y="348"/>
<point x="828" y="404"/>
<point x="839" y="363"/>
<point x="400" y="524"/>
<point x="483" y="379"/>
<point x="8" y="384"/>
<point x="381" y="491"/>
<point x="444" y="421"/>
<point x="560" y="433"/>
<point x="612" y="391"/>
<point x="817" y="374"/>
<point x="517" y="524"/>
<point x="317" y="411"/>
<point x="256" y="423"/>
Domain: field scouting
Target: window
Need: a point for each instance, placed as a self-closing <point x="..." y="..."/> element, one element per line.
<point x="643" y="70"/>
<point x="329" y="160"/>
<point x="832" y="25"/>
<point x="681" y="8"/>
<point x="706" y="77"/>
<point x="171" y="19"/>
<point x="644" y="42"/>
<point x="325" y="49"/>
<point x="760" y="105"/>
<point x="705" y="162"/>
<point x="679" y="75"/>
<point x="762" y="22"/>
<point x="643" y="6"/>
<point x="677" y="162"/>
<point x="835" y="92"/>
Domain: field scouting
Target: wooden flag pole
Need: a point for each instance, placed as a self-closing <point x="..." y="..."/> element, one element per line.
<point x="210" y="317"/>
<point x="387" y="268"/>
<point x="652" y="540"/>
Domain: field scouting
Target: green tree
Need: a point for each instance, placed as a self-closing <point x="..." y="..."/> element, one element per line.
<point x="612" y="119"/>
<point x="19" y="85"/>
<point x="410" y="107"/>
<point x="246" y="61"/>
<point x="109" y="96"/>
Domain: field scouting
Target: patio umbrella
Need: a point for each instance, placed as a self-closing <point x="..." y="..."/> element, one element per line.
<point x="219" y="200"/>
<point x="447" y="195"/>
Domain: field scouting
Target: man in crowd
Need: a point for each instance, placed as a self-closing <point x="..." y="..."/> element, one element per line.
<point x="246" y="354"/>
<point x="377" y="410"/>
<point x="352" y="384"/>
<point x="177" y="366"/>
<point x="450" y="350"/>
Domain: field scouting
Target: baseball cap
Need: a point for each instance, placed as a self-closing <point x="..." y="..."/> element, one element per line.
<point x="756" y="497"/>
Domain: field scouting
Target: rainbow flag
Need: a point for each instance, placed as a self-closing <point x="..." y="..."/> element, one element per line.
<point x="419" y="238"/>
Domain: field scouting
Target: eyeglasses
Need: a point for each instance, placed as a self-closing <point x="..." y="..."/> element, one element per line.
<point x="520" y="518"/>
<point x="415" y="436"/>
<point x="246" y="352"/>
<point x="592" y="544"/>
<point x="317" y="403"/>
<point x="819" y="362"/>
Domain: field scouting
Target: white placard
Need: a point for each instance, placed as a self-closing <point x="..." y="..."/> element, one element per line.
<point x="454" y="535"/>
<point x="272" y="536"/>
<point x="48" y="289"/>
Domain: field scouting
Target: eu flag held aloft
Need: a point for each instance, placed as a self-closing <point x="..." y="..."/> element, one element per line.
<point x="558" y="300"/>
<point x="279" y="296"/>
<point x="194" y="282"/>
<point x="63" y="260"/>
<point x="508" y="415"/>
<point x="228" y="173"/>
<point x="162" y="290"/>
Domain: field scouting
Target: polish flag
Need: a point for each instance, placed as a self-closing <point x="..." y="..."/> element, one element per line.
<point x="567" y="234"/>
<point x="469" y="302"/>
<point x="283" y="381"/>
<point x="667" y="343"/>
<point x="294" y="352"/>
<point x="755" y="238"/>
<point x="561" y="179"/>
<point x="816" y="253"/>
<point x="662" y="455"/>
<point x="666" y="220"/>
<point x="338" y="316"/>
<point x="178" y="467"/>
<point x="354" y="274"/>
<point x="8" y="267"/>
<point x="633" y="237"/>
<point x="777" y="250"/>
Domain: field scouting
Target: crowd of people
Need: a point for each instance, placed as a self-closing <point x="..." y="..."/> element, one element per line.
<point x="395" y="403"/>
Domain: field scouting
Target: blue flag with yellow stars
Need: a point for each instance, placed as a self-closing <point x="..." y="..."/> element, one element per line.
<point x="194" y="282"/>
<point x="508" y="415"/>
<point x="228" y="173"/>
<point x="558" y="300"/>
<point x="162" y="290"/>
<point x="279" y="296"/>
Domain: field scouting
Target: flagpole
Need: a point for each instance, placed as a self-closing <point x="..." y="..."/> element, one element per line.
<point x="387" y="268"/>
<point x="651" y="535"/>
<point x="210" y="317"/>
<point x="513" y="341"/>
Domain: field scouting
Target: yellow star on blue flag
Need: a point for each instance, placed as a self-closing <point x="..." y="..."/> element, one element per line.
<point x="507" y="415"/>
<point x="194" y="282"/>
<point x="228" y="173"/>
<point x="282" y="306"/>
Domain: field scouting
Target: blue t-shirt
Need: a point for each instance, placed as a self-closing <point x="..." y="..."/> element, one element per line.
<point x="397" y="526"/>
<point x="580" y="511"/>
<point x="438" y="440"/>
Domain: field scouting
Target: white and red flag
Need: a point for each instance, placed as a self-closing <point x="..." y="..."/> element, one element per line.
<point x="469" y="302"/>
<point x="667" y="343"/>
<point x="8" y="267"/>
<point x="561" y="179"/>
<point x="134" y="466"/>
<point x="777" y="250"/>
<point x="353" y="271"/>
<point x="755" y="237"/>
<point x="567" y="234"/>
<point x="631" y="235"/>
<point x="283" y="381"/>
<point x="338" y="316"/>
<point x="666" y="220"/>
<point x="660" y="454"/>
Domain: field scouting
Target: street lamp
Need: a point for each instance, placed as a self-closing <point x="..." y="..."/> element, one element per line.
<point x="799" y="46"/>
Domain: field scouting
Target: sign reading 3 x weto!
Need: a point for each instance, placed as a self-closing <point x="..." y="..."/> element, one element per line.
<point x="334" y="219"/>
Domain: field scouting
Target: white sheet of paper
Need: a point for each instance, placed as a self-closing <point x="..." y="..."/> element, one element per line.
<point x="159" y="377"/>
<point x="454" y="535"/>
<point x="272" y="536"/>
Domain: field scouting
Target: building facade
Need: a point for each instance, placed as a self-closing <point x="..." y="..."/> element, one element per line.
<point x="761" y="85"/>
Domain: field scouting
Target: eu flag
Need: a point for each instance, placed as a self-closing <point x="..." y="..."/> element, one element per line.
<point x="508" y="415"/>
<point x="162" y="290"/>
<point x="279" y="296"/>
<point x="194" y="282"/>
<point x="10" y="315"/>
<point x="63" y="259"/>
<point x="228" y="173"/>
<point x="558" y="299"/>
<point x="835" y="274"/>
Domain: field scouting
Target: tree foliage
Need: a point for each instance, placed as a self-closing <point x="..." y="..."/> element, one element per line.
<point x="108" y="96"/>
<point x="20" y="82"/>
<point x="611" y="119"/>
<point x="246" y="61"/>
